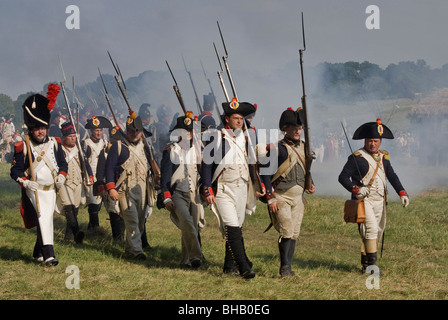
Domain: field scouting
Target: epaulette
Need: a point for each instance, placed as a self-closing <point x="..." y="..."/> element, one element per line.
<point x="357" y="153"/>
<point x="386" y="154"/>
<point x="18" y="147"/>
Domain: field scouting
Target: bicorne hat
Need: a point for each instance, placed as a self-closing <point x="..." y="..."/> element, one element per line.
<point x="291" y="117"/>
<point x="373" y="130"/>
<point x="242" y="108"/>
<point x="187" y="122"/>
<point x="98" y="122"/>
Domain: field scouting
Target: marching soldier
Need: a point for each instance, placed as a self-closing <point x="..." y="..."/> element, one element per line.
<point x="180" y="187"/>
<point x="111" y="206"/>
<point x="227" y="185"/>
<point x="364" y="176"/>
<point x="70" y="195"/>
<point x="39" y="167"/>
<point x="129" y="181"/>
<point x="92" y="149"/>
<point x="285" y="188"/>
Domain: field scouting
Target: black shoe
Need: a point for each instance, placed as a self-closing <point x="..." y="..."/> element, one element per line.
<point x="79" y="237"/>
<point x="196" y="263"/>
<point x="140" y="256"/>
<point x="50" y="262"/>
<point x="248" y="274"/>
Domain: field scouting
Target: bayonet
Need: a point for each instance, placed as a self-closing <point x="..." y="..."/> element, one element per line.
<point x="194" y="89"/>
<point x="106" y="94"/>
<point x="177" y="91"/>
<point x="221" y="80"/>
<point x="308" y="152"/>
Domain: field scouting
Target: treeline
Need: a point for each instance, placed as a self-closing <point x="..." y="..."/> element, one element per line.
<point x="340" y="82"/>
<point x="357" y="81"/>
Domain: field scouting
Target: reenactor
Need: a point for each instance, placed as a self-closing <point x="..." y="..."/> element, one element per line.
<point x="70" y="196"/>
<point x="111" y="206"/>
<point x="228" y="185"/>
<point x="286" y="186"/>
<point x="129" y="180"/>
<point x="364" y="175"/>
<point x="92" y="149"/>
<point x="180" y="187"/>
<point x="40" y="168"/>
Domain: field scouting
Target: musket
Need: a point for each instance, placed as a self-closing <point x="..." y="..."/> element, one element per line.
<point x="306" y="129"/>
<point x="251" y="148"/>
<point x="82" y="159"/>
<point x="106" y="94"/>
<point x="182" y="105"/>
<point x="221" y="81"/>
<point x="148" y="146"/>
<point x="117" y="70"/>
<point x="33" y="176"/>
<point x="176" y="90"/>
<point x="194" y="89"/>
<point x="224" y="59"/>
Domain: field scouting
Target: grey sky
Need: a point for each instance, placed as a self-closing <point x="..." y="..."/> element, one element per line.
<point x="263" y="37"/>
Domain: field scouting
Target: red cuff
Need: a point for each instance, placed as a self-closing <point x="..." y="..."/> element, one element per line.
<point x="355" y="189"/>
<point x="63" y="173"/>
<point x="167" y="195"/>
<point x="110" y="185"/>
<point x="402" y="193"/>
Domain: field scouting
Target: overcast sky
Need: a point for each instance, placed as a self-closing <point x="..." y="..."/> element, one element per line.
<point x="263" y="37"/>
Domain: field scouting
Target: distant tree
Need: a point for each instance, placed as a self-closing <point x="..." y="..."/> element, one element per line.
<point x="6" y="105"/>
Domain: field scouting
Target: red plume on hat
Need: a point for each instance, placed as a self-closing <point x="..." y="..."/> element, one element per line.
<point x="52" y="95"/>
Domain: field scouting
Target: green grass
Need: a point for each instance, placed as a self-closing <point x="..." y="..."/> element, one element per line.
<point x="326" y="261"/>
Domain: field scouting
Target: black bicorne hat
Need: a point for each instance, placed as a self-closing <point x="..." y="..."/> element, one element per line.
<point x="134" y="123"/>
<point x="116" y="133"/>
<point x="373" y="130"/>
<point x="98" y="122"/>
<point x="187" y="122"/>
<point x="243" y="108"/>
<point x="291" y="117"/>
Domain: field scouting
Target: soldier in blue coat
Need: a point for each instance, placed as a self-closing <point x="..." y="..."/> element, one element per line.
<point x="285" y="187"/>
<point x="180" y="182"/>
<point x="228" y="184"/>
<point x="129" y="180"/>
<point x="47" y="173"/>
<point x="365" y="175"/>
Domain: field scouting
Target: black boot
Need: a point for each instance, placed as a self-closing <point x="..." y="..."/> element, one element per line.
<point x="371" y="261"/>
<point x="94" y="222"/>
<point x="229" y="265"/>
<point x="117" y="226"/>
<point x="144" y="237"/>
<point x="72" y="231"/>
<point x="234" y="239"/>
<point x="285" y="263"/>
<point x="364" y="262"/>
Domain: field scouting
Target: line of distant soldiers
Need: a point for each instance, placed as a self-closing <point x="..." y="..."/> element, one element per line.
<point x="57" y="175"/>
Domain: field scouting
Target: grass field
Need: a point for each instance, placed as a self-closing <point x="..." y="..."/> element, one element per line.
<point x="326" y="261"/>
